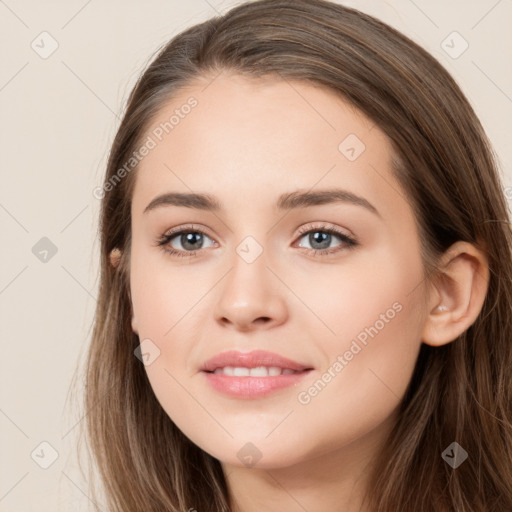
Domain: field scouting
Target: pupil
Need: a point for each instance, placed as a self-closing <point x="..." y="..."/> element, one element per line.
<point x="323" y="238"/>
<point x="190" y="238"/>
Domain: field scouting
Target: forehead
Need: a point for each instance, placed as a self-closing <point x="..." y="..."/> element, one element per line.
<point x="236" y="137"/>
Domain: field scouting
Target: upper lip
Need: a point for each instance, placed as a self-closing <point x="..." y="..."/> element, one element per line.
<point x="251" y="360"/>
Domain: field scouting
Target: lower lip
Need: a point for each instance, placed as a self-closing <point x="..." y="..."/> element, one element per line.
<point x="252" y="387"/>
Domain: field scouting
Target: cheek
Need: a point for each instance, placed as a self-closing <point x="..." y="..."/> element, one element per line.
<point x="163" y="295"/>
<point x="375" y="296"/>
<point x="375" y="317"/>
<point x="370" y="362"/>
<point x="370" y="365"/>
<point x="165" y="305"/>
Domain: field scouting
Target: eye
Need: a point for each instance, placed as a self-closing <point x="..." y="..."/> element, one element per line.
<point x="188" y="241"/>
<point x="321" y="237"/>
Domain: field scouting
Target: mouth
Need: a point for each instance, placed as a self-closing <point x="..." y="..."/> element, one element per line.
<point x="253" y="374"/>
<point x="258" y="371"/>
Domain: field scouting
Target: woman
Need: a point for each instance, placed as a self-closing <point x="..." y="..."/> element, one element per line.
<point x="305" y="297"/>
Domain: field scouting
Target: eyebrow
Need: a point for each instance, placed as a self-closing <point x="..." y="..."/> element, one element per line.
<point x="287" y="201"/>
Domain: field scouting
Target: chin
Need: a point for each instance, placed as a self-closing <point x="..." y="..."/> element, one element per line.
<point x="255" y="454"/>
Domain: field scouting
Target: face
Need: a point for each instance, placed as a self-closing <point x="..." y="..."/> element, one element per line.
<point x="309" y="264"/>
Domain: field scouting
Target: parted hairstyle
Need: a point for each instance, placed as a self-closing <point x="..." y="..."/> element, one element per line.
<point x="443" y="159"/>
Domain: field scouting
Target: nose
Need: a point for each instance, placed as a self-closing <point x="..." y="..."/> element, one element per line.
<point x="252" y="297"/>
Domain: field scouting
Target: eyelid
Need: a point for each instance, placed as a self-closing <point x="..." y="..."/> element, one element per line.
<point x="348" y="239"/>
<point x="322" y="225"/>
<point x="188" y="227"/>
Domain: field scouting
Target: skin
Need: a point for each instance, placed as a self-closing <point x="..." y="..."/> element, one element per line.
<point x="246" y="142"/>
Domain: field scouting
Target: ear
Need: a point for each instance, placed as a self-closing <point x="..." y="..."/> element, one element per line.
<point x="456" y="294"/>
<point x="115" y="258"/>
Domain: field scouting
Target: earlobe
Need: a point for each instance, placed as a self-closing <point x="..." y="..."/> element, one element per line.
<point x="457" y="295"/>
<point x="115" y="257"/>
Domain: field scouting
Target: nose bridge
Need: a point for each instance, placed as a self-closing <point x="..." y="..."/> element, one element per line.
<point x="248" y="276"/>
<point x="249" y="292"/>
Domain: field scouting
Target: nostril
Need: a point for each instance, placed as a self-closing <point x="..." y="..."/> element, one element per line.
<point x="262" y="319"/>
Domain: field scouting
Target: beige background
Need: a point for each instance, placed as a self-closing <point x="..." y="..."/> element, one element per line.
<point x="59" y="115"/>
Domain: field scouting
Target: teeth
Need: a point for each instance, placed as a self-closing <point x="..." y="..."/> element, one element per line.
<point x="241" y="372"/>
<point x="260" y="371"/>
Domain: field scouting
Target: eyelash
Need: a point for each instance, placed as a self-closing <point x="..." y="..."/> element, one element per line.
<point x="347" y="242"/>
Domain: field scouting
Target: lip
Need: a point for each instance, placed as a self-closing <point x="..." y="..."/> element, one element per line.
<point x="252" y="387"/>
<point x="252" y="360"/>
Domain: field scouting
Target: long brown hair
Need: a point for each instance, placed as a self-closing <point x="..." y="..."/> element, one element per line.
<point x="459" y="392"/>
